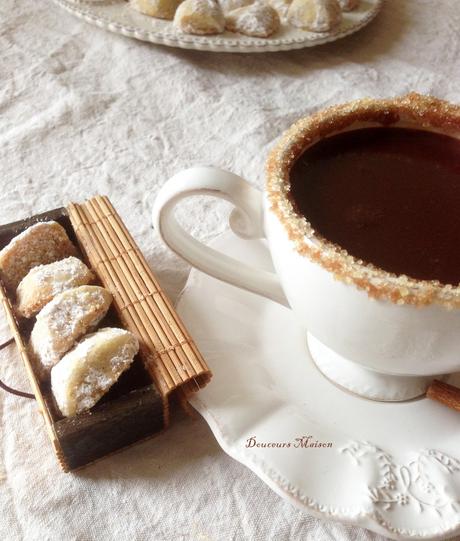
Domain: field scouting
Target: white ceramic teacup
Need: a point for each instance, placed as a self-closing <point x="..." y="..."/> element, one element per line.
<point x="380" y="335"/>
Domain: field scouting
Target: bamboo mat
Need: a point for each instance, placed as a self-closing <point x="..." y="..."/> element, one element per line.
<point x="168" y="351"/>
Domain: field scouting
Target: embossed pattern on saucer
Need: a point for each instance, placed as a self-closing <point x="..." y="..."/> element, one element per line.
<point x="116" y="16"/>
<point x="393" y="468"/>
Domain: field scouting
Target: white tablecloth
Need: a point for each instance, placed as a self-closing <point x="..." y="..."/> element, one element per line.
<point x="84" y="112"/>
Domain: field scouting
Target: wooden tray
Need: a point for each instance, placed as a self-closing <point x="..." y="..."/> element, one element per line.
<point x="167" y="365"/>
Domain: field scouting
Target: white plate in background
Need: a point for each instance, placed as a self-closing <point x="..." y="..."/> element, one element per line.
<point x="116" y="16"/>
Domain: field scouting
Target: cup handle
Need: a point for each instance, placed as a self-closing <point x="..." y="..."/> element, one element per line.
<point x="246" y="220"/>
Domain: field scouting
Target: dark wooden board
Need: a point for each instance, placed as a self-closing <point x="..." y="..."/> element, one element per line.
<point x="110" y="426"/>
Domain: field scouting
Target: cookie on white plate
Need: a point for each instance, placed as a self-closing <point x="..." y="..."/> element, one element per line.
<point x="160" y="9"/>
<point x="258" y="20"/>
<point x="281" y="7"/>
<point x="315" y="15"/>
<point x="200" y="17"/>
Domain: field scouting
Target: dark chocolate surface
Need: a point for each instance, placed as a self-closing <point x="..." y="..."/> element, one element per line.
<point x="389" y="196"/>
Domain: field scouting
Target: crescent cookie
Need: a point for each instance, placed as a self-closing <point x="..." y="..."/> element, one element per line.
<point x="40" y="244"/>
<point x="199" y="17"/>
<point x="88" y="371"/>
<point x="161" y="9"/>
<point x="315" y="15"/>
<point x="64" y="320"/>
<point x="44" y="282"/>
<point x="281" y="7"/>
<point x="258" y="20"/>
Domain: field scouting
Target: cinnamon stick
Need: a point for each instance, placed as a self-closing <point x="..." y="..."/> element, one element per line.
<point x="445" y="393"/>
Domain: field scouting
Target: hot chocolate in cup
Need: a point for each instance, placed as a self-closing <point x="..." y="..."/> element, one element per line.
<point x="383" y="333"/>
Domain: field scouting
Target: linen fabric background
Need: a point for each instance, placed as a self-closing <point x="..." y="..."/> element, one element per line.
<point x="84" y="112"/>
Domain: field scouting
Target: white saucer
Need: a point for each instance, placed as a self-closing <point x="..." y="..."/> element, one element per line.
<point x="116" y="16"/>
<point x="393" y="467"/>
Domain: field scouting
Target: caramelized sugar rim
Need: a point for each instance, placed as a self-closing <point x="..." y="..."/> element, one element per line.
<point x="412" y="110"/>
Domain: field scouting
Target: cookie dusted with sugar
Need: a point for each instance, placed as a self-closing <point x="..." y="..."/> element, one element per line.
<point x="201" y="17"/>
<point x="160" y="9"/>
<point x="42" y="243"/>
<point x="257" y="20"/>
<point x="88" y="371"/>
<point x="65" y="320"/>
<point x="281" y="7"/>
<point x="315" y="15"/>
<point x="44" y="282"/>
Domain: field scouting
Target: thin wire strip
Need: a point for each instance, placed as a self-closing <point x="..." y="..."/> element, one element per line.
<point x="4" y="386"/>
